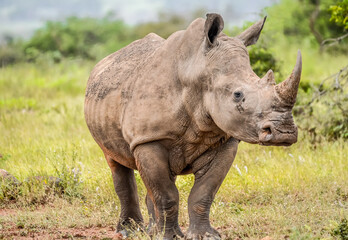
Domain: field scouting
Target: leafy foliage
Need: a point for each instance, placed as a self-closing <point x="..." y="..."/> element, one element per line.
<point x="261" y="60"/>
<point x="339" y="13"/>
<point x="78" y="37"/>
<point x="341" y="230"/>
<point x="10" y="54"/>
<point x="11" y="51"/>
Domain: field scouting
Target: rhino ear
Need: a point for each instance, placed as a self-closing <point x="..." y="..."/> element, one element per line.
<point x="251" y="34"/>
<point x="212" y="28"/>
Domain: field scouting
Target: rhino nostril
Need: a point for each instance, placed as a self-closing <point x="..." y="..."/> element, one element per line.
<point x="267" y="130"/>
<point x="267" y="133"/>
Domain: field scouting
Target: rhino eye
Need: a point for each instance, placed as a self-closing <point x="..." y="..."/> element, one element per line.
<point x="238" y="95"/>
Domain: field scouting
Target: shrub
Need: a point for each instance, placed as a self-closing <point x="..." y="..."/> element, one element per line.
<point x="10" y="53"/>
<point x="326" y="113"/>
<point x="261" y="60"/>
<point x="341" y="230"/>
<point x="69" y="173"/>
<point x="77" y="37"/>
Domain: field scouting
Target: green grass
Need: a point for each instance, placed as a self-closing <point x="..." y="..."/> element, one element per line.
<point x="297" y="192"/>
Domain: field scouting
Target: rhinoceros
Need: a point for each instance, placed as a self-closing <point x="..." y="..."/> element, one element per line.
<point x="181" y="105"/>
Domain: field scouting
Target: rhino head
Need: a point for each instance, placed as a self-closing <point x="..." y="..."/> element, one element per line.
<point x="243" y="105"/>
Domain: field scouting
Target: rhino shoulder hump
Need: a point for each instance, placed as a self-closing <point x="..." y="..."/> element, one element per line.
<point x="117" y="67"/>
<point x="153" y="37"/>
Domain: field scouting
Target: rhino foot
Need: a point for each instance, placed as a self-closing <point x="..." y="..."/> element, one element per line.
<point x="129" y="228"/>
<point x="211" y="234"/>
<point x="128" y="233"/>
<point x="172" y="234"/>
<point x="123" y="234"/>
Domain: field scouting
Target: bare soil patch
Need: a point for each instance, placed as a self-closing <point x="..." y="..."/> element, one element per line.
<point x="9" y="230"/>
<point x="7" y="212"/>
<point x="72" y="233"/>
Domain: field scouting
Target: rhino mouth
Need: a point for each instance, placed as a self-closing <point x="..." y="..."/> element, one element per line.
<point x="272" y="136"/>
<point x="285" y="144"/>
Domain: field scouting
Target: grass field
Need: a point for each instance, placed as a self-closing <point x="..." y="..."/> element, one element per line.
<point x="297" y="192"/>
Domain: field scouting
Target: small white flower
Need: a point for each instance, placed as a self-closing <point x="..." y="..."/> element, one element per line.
<point x="302" y="160"/>
<point x="238" y="170"/>
<point x="97" y="189"/>
<point x="291" y="155"/>
<point x="76" y="170"/>
<point x="340" y="203"/>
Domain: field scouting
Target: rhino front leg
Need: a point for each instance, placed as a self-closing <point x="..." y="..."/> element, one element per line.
<point x="126" y="190"/>
<point x="152" y="163"/>
<point x="207" y="182"/>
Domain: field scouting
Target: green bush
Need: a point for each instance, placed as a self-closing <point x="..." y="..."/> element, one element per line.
<point x="78" y="37"/>
<point x="341" y="230"/>
<point x="10" y="53"/>
<point x="326" y="112"/>
<point x="69" y="172"/>
<point x="261" y="60"/>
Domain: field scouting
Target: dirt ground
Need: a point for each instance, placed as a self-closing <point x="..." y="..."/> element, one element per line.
<point x="87" y="233"/>
<point x="9" y="230"/>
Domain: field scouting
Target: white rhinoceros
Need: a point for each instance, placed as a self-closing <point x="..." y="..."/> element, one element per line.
<point x="181" y="106"/>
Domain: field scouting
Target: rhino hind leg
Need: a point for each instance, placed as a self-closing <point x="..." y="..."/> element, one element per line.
<point x="126" y="190"/>
<point x="163" y="196"/>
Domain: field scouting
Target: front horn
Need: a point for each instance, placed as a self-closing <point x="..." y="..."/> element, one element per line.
<point x="287" y="90"/>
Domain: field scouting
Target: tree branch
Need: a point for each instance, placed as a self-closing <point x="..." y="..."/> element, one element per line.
<point x="333" y="41"/>
<point x="312" y="20"/>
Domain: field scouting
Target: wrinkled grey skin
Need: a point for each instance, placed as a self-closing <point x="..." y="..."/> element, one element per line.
<point x="180" y="106"/>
